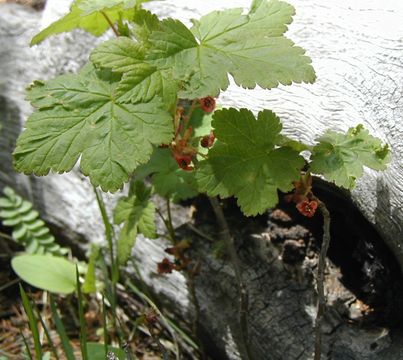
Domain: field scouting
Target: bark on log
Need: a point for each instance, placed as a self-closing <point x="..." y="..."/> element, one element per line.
<point x="356" y="50"/>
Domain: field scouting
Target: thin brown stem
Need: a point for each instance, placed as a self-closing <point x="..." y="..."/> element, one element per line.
<point x="242" y="291"/>
<point x="190" y="112"/>
<point x="184" y="120"/>
<point x="170" y="229"/>
<point x="320" y="280"/>
<point x="116" y="32"/>
<point x="170" y="223"/>
<point x="204" y="156"/>
<point x="190" y="277"/>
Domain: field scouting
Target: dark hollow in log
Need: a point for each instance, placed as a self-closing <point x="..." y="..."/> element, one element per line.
<point x="278" y="253"/>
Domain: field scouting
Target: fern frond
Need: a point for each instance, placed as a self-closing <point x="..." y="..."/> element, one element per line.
<point x="28" y="229"/>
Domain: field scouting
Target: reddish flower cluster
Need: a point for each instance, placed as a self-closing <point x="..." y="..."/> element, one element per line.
<point x="166" y="266"/>
<point x="208" y="140"/>
<point x="207" y="104"/>
<point x="303" y="197"/>
<point x="307" y="208"/>
<point x="182" y="151"/>
<point x="178" y="251"/>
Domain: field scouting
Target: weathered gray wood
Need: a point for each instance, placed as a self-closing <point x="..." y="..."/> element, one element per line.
<point x="356" y="49"/>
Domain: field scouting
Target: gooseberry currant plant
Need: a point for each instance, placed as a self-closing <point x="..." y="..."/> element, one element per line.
<point x="145" y="106"/>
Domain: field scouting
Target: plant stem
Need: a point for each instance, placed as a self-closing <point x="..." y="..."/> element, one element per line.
<point x="83" y="325"/>
<point x="190" y="112"/>
<point x="170" y="223"/>
<point x="110" y="23"/>
<point x="105" y="327"/>
<point x="114" y="269"/>
<point x="242" y="291"/>
<point x="321" y="277"/>
<point x="190" y="277"/>
<point x="108" y="233"/>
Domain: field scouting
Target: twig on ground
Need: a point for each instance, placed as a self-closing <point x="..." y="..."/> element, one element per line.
<point x="200" y="233"/>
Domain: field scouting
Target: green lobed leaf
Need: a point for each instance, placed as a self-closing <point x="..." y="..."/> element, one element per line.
<point x="84" y="118"/>
<point x="146" y="82"/>
<point x="251" y="47"/>
<point x="341" y="157"/>
<point x="168" y="179"/>
<point x="90" y="6"/>
<point x="88" y="15"/>
<point x="245" y="161"/>
<point x="141" y="81"/>
<point x="137" y="213"/>
<point x="143" y="24"/>
<point x="120" y="55"/>
<point x="46" y="272"/>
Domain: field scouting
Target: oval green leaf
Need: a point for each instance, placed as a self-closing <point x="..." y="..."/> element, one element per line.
<point x="46" y="272"/>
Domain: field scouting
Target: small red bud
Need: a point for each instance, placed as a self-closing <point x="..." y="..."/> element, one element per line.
<point x="208" y="140"/>
<point x="184" y="161"/>
<point x="207" y="104"/>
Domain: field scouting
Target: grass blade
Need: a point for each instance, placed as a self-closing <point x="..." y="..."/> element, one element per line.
<point x="105" y="326"/>
<point x="83" y="327"/>
<point x="169" y="325"/>
<point x="47" y="334"/>
<point x="26" y="346"/>
<point x="110" y="294"/>
<point x="109" y="236"/>
<point x="184" y="336"/>
<point x="68" y="350"/>
<point x="32" y="323"/>
<point x="106" y="278"/>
